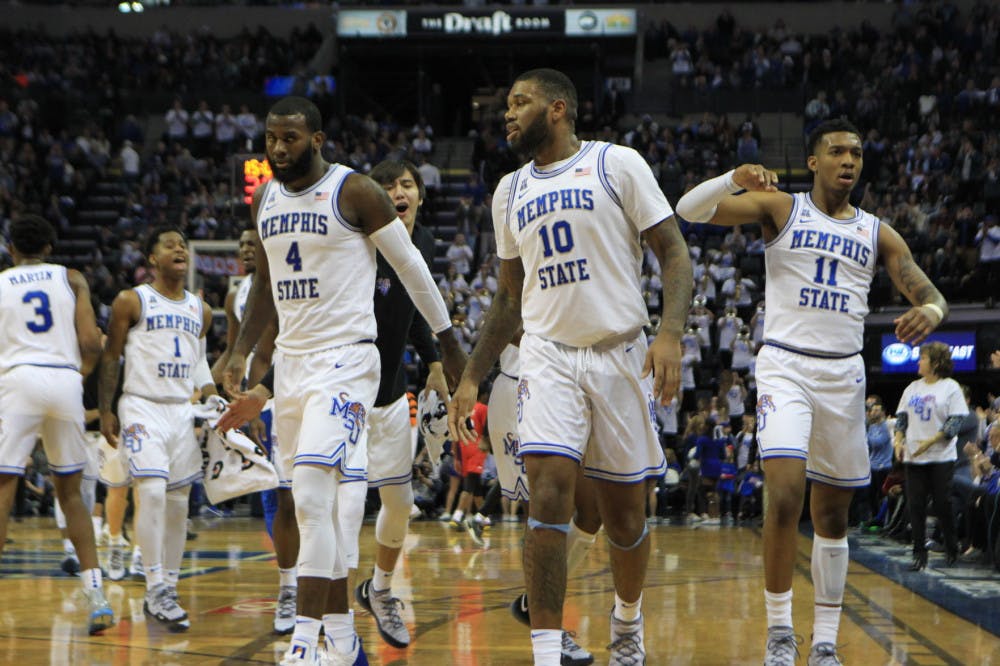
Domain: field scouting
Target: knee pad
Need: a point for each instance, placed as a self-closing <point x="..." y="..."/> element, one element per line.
<point x="539" y="525"/>
<point x="313" y="489"/>
<point x="88" y="492"/>
<point x="152" y="492"/>
<point x="829" y="569"/>
<point x="394" y="516"/>
<point x="350" y="515"/>
<point x="634" y="545"/>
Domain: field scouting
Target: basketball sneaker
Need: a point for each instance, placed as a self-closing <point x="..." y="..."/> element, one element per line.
<point x="626" y="645"/>
<point x="135" y="568"/>
<point x="355" y="657"/>
<point x="572" y="653"/>
<point x="385" y="609"/>
<point x="824" y="654"/>
<point x="100" y="615"/>
<point x="284" y="611"/>
<point x="70" y="564"/>
<point x="116" y="565"/>
<point x="519" y="609"/>
<point x="475" y="530"/>
<point x="161" y="605"/>
<point x="782" y="647"/>
<point x="303" y="654"/>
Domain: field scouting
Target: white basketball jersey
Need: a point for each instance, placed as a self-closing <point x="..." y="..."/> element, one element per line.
<point x="242" y="294"/>
<point x="163" y="347"/>
<point x="37" y="318"/>
<point x="576" y="226"/>
<point x="322" y="267"/>
<point x="819" y="270"/>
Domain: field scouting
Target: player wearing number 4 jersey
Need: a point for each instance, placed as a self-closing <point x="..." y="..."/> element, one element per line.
<point x="820" y="259"/>
<point x="48" y="338"/>
<point x="569" y="226"/>
<point x="319" y="226"/>
<point x="159" y="328"/>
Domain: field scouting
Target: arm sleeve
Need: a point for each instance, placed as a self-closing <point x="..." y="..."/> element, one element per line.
<point x="701" y="202"/>
<point x="631" y="181"/>
<point x="902" y="420"/>
<point x="394" y="243"/>
<point x="952" y="425"/>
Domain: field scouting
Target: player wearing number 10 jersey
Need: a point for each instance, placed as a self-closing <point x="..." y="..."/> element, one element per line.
<point x="820" y="260"/>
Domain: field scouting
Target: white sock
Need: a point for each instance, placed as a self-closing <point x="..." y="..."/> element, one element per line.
<point x="578" y="544"/>
<point x="546" y="645"/>
<point x="628" y="611"/>
<point x="779" y="608"/>
<point x="381" y="580"/>
<point x="457" y="517"/>
<point x="339" y="630"/>
<point x="137" y="552"/>
<point x="98" y="524"/>
<point x="306" y="630"/>
<point x="288" y="577"/>
<point x="154" y="575"/>
<point x="171" y="576"/>
<point x="68" y="547"/>
<point x="829" y="572"/>
<point x="826" y="623"/>
<point x="92" y="579"/>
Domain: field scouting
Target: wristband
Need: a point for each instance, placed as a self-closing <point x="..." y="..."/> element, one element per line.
<point x="936" y="308"/>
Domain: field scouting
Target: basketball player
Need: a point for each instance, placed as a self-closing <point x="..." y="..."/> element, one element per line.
<point x="568" y="227"/>
<point x="820" y="260"/>
<point x="279" y="507"/>
<point x="159" y="327"/>
<point x="320" y="225"/>
<point x="48" y="339"/>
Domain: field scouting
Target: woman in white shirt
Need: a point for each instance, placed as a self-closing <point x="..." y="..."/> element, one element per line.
<point x="928" y="418"/>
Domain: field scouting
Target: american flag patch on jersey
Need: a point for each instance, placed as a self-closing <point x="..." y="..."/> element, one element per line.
<point x="860" y="229"/>
<point x="581" y="171"/>
<point x="322" y="196"/>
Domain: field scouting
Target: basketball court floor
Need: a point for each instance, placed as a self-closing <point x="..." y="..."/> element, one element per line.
<point x="703" y="602"/>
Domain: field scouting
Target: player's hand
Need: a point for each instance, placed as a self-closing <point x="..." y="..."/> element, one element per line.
<point x="436" y="380"/>
<point x="453" y="360"/>
<point x="234" y="373"/>
<point x="245" y="408"/>
<point x="110" y="428"/>
<point x="914" y="325"/>
<point x="459" y="411"/>
<point x="664" y="360"/>
<point x="258" y="431"/>
<point x="755" y="178"/>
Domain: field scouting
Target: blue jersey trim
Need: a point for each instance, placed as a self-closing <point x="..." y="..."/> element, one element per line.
<point x="782" y="453"/>
<point x="510" y="197"/>
<point x="602" y="175"/>
<point x="811" y="354"/>
<point x="828" y="480"/>
<point x="520" y="491"/>
<point x="626" y="477"/>
<point x="12" y="469"/>
<point x="74" y="368"/>
<point x="184" y="482"/>
<point x="332" y="168"/>
<point x="850" y="220"/>
<point x="792" y="218"/>
<point x="584" y="149"/>
<point x="548" y="448"/>
<point x="391" y="480"/>
<point x="334" y="198"/>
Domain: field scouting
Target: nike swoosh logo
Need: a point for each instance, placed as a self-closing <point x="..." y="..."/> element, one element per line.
<point x="859" y="380"/>
<point x="628" y="349"/>
<point x="337" y="366"/>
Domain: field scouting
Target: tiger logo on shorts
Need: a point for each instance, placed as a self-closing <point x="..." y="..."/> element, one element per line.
<point x="353" y="413"/>
<point x="765" y="405"/>
<point x="133" y="437"/>
<point x="522" y="394"/>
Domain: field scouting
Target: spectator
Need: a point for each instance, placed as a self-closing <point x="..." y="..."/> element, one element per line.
<point x="460" y="255"/>
<point x="177" y="123"/>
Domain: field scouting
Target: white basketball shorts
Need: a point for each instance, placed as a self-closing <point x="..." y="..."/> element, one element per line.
<point x="502" y="422"/>
<point x="590" y="405"/>
<point x="390" y="444"/>
<point x="158" y="438"/>
<point x="321" y="404"/>
<point x="41" y="401"/>
<point x="813" y="408"/>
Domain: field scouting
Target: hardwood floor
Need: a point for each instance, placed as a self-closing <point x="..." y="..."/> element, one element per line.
<point x="703" y="604"/>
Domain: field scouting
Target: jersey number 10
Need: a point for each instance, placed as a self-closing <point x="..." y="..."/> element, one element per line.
<point x="562" y="238"/>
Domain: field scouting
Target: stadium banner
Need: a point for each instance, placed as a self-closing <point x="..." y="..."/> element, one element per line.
<point x="499" y="23"/>
<point x="900" y="357"/>
<point x="601" y="22"/>
<point x="371" y="23"/>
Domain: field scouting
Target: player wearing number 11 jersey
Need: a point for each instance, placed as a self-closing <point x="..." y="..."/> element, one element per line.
<point x="820" y="259"/>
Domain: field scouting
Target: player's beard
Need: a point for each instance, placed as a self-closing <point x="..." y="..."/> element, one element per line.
<point x="532" y="137"/>
<point x="296" y="170"/>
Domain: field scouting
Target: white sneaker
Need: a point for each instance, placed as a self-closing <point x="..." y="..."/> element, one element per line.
<point x="284" y="611"/>
<point x="302" y="654"/>
<point x="627" y="648"/>
<point x="160" y="604"/>
<point x="354" y="657"/>
<point x="116" y="565"/>
<point x="385" y="609"/>
<point x="135" y="569"/>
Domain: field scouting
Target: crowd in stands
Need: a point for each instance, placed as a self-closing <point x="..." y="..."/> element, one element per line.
<point x="932" y="171"/>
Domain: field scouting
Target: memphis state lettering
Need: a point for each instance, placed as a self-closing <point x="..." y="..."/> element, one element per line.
<point x="290" y="223"/>
<point x="560" y="236"/>
<point x="171" y="370"/>
<point x="826" y="267"/>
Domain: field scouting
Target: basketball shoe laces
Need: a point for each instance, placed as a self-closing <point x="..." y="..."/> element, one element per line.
<point x="389" y="608"/>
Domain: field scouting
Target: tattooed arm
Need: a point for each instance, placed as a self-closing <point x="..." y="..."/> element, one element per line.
<point x="929" y="307"/>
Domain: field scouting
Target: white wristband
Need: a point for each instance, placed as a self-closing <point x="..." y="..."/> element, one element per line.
<point x="936" y="308"/>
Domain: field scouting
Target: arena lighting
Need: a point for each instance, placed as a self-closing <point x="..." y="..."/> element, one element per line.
<point x="131" y="7"/>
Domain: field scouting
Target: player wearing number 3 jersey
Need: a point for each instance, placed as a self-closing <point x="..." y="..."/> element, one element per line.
<point x="820" y="259"/>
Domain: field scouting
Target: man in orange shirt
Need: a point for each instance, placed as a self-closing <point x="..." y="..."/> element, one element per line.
<point x="473" y="455"/>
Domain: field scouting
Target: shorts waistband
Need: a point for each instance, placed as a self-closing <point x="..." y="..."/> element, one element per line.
<point x="604" y="345"/>
<point x="804" y="352"/>
<point x="159" y="401"/>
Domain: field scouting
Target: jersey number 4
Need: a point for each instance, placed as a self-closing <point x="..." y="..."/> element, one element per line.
<point x="293" y="258"/>
<point x="43" y="311"/>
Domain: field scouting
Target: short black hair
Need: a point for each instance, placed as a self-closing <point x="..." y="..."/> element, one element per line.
<point x="555" y="85"/>
<point x="293" y="106"/>
<point x="30" y="234"/>
<point x="829" y="127"/>
<point x="387" y="171"/>
<point x="154" y="236"/>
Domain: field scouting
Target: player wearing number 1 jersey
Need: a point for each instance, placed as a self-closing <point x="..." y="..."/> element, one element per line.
<point x="159" y="327"/>
<point x="569" y="226"/>
<point x="820" y="260"/>
<point x="319" y="226"/>
<point x="48" y="337"/>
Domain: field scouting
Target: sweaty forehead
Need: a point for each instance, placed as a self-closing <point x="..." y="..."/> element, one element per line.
<point x="845" y="139"/>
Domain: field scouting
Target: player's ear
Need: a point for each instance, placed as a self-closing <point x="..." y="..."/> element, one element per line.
<point x="557" y="109"/>
<point x="812" y="163"/>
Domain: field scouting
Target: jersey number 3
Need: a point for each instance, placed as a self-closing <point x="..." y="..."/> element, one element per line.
<point x="43" y="311"/>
